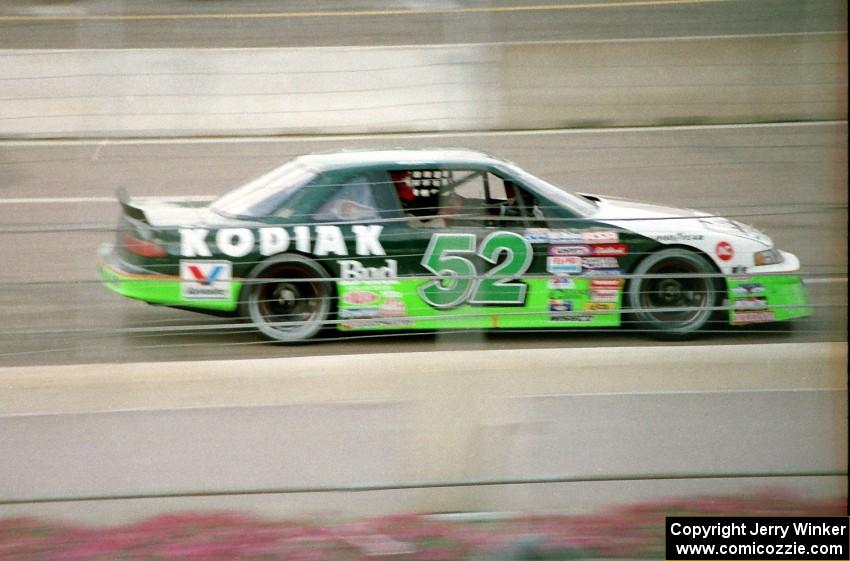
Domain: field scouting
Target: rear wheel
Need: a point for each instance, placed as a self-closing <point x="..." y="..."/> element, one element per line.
<point x="669" y="295"/>
<point x="288" y="298"/>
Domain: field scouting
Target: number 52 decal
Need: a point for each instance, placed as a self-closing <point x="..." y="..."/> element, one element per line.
<point x="460" y="282"/>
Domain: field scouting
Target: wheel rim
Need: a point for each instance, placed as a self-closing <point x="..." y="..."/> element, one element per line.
<point x="675" y="301"/>
<point x="288" y="305"/>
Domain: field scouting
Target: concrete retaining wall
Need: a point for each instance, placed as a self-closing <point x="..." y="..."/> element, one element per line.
<point x="719" y="80"/>
<point x="123" y="429"/>
<point x="178" y="92"/>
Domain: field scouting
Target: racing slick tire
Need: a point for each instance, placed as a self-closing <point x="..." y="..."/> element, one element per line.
<point x="676" y="307"/>
<point x="294" y="304"/>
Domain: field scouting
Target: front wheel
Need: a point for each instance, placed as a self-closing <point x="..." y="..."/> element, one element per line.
<point x="670" y="297"/>
<point x="287" y="298"/>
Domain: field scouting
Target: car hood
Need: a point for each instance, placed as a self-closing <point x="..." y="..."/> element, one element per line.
<point x="664" y="221"/>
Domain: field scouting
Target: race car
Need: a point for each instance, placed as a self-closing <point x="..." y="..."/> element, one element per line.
<point x="443" y="239"/>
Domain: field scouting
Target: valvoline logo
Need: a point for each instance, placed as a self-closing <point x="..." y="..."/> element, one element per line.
<point x="205" y="279"/>
<point x="208" y="280"/>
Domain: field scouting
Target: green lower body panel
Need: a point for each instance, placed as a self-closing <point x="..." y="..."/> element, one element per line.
<point x="555" y="302"/>
<point x="767" y="298"/>
<point x="549" y="302"/>
<point x="168" y="291"/>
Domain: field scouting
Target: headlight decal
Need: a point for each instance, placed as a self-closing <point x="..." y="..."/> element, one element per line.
<point x="767" y="257"/>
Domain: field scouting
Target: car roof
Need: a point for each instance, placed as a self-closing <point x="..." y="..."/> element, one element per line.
<point x="399" y="156"/>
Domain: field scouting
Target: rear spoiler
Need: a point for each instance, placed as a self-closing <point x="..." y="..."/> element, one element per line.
<point x="127" y="207"/>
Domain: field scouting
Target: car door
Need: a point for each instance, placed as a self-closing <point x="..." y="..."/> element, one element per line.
<point x="375" y="284"/>
<point x="427" y="276"/>
<point x="467" y="265"/>
<point x="575" y="278"/>
<point x="516" y="283"/>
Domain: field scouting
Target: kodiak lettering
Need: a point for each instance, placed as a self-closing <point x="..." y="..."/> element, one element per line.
<point x="317" y="240"/>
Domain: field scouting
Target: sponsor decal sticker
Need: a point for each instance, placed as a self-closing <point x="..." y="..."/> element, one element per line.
<point x="560" y="305"/>
<point x="724" y="251"/>
<point x="604" y="273"/>
<point x="599" y="263"/>
<point x="571" y="317"/>
<point x="611" y="250"/>
<point x="679" y="237"/>
<point x="354" y="270"/>
<point x="205" y="280"/>
<point x="604" y="295"/>
<point x="360" y="298"/>
<point x="375" y="322"/>
<point x="749" y="289"/>
<point x="751" y="304"/>
<point x="371" y="303"/>
<point x="753" y="317"/>
<point x="561" y="282"/>
<point x="599" y="306"/>
<point x="567" y="250"/>
<point x="357" y="313"/>
<point x="545" y="235"/>
<point x="601" y="236"/>
<point x="596" y="284"/>
<point x="393" y="308"/>
<point x="563" y="265"/>
<point x="536" y="235"/>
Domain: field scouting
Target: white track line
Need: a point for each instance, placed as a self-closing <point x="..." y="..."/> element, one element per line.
<point x="408" y="135"/>
<point x="56" y="200"/>
<point x="837" y="280"/>
<point x="438" y="46"/>
<point x="358" y="13"/>
<point x="84" y="200"/>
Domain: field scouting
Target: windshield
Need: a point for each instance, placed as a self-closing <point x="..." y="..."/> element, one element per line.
<point x="578" y="205"/>
<point x="264" y="195"/>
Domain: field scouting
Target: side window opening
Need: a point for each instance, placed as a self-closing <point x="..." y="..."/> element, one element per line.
<point x="437" y="198"/>
<point x="418" y="191"/>
<point x="495" y="189"/>
<point x="352" y="201"/>
<point x="470" y="185"/>
<point x="463" y="201"/>
<point x="511" y="202"/>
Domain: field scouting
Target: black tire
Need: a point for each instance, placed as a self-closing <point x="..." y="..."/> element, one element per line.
<point x="289" y="309"/>
<point x="673" y="307"/>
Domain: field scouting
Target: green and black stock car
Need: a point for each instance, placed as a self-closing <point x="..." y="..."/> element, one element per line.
<point x="443" y="239"/>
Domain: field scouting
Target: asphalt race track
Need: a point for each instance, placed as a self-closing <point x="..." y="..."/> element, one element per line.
<point x="57" y="207"/>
